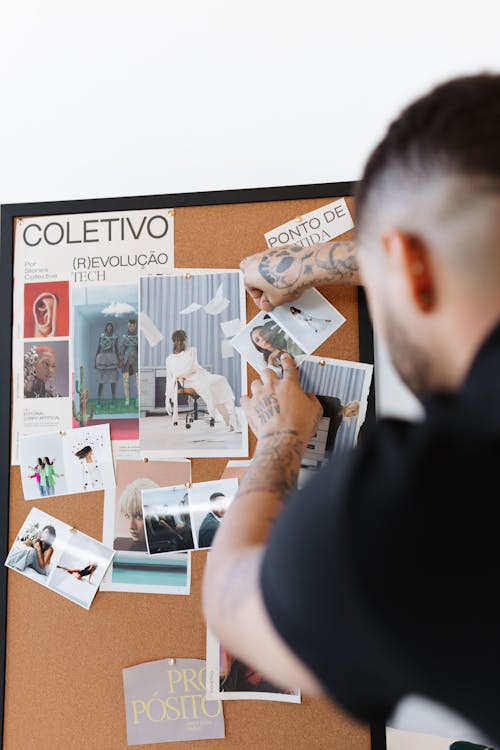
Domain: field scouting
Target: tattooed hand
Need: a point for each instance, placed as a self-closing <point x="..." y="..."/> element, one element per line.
<point x="279" y="275"/>
<point x="279" y="406"/>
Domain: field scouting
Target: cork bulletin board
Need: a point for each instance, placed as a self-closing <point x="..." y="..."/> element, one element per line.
<point x="61" y="671"/>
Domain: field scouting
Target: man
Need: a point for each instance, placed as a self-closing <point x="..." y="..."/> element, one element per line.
<point x="379" y="579"/>
<point x="212" y="520"/>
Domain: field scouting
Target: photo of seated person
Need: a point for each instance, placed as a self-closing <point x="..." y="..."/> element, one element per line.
<point x="184" y="371"/>
<point x="34" y="553"/>
<point x="168" y="528"/>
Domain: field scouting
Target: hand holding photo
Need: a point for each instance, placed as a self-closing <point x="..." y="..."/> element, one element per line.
<point x="263" y="341"/>
<point x="310" y="319"/>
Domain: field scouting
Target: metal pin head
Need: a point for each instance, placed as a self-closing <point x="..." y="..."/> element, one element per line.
<point x="61" y="432"/>
<point x="322" y="362"/>
<point x="171" y="661"/>
<point x="188" y="275"/>
<point x="145" y="459"/>
<point x="187" y="484"/>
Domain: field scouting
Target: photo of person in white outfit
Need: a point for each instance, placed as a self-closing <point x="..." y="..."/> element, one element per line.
<point x="184" y="372"/>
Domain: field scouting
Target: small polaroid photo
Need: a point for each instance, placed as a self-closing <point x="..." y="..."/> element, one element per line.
<point x="263" y="341"/>
<point x="208" y="503"/>
<point x="229" y="678"/>
<point x="66" y="463"/>
<point x="167" y="522"/>
<point x="309" y="320"/>
<point x="59" y="557"/>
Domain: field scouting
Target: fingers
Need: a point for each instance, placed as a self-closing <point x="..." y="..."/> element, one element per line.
<point x="255" y="386"/>
<point x="289" y="365"/>
<point x="268" y="376"/>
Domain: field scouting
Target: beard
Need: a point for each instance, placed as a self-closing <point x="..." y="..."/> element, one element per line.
<point x="409" y="359"/>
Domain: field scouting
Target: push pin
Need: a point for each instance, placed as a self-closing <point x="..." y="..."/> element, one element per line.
<point x="171" y="661"/>
<point x="322" y="362"/>
<point x="187" y="484"/>
<point x="73" y="530"/>
<point x="20" y="221"/>
<point x="188" y="275"/>
<point x="298" y="218"/>
<point x="145" y="459"/>
<point x="171" y="212"/>
<point x="61" y="432"/>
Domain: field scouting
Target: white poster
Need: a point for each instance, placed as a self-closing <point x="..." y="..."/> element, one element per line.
<point x="75" y="328"/>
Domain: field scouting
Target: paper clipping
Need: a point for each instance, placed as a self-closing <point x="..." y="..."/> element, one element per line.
<point x="133" y="568"/>
<point x="165" y="702"/>
<point x="59" y="557"/>
<point x="74" y="348"/>
<point x="229" y="678"/>
<point x="320" y="225"/>
<point x="66" y="463"/>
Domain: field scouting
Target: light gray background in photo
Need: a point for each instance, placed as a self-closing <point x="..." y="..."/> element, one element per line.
<point x="162" y="298"/>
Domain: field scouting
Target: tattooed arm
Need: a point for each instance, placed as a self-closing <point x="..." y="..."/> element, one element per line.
<point x="282" y="274"/>
<point x="283" y="419"/>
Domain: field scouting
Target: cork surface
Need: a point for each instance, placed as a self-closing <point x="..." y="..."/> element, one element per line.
<point x="64" y="664"/>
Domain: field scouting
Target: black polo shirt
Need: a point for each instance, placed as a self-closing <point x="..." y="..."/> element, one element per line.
<point x="383" y="573"/>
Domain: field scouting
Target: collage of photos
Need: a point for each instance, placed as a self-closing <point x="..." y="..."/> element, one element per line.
<point x="229" y="678"/>
<point x="133" y="569"/>
<point x="59" y="557"/>
<point x="46" y="340"/>
<point x="185" y="518"/>
<point x="75" y="348"/>
<point x="66" y="463"/>
<point x="192" y="379"/>
<point x="298" y="329"/>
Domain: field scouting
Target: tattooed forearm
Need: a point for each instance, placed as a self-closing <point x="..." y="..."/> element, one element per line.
<point x="340" y="262"/>
<point x="292" y="268"/>
<point x="275" y="465"/>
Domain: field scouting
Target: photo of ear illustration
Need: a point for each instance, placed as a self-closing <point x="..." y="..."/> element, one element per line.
<point x="45" y="314"/>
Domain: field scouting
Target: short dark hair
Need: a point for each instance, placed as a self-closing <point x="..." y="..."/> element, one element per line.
<point x="215" y="495"/>
<point x="453" y="128"/>
<point x="179" y="335"/>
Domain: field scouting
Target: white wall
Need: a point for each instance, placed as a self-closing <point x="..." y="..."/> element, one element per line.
<point x="120" y="97"/>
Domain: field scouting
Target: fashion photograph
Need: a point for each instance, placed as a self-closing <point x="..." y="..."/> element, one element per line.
<point x="37" y="547"/>
<point x="42" y="466"/>
<point x="133" y="569"/>
<point x="342" y="389"/>
<point x="229" y="678"/>
<point x="80" y="568"/>
<point x="208" y="503"/>
<point x="105" y="358"/>
<point x="46" y="369"/>
<point x="263" y="341"/>
<point x="46" y="309"/>
<point x="167" y="522"/>
<point x="190" y="389"/>
<point x="88" y="458"/>
<point x="310" y="319"/>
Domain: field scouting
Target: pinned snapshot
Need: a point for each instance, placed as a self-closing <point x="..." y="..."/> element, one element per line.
<point x="185" y="518"/>
<point x="59" y="557"/>
<point x="133" y="569"/>
<point x="190" y="385"/>
<point x="65" y="463"/>
<point x="263" y="341"/>
<point x="229" y="678"/>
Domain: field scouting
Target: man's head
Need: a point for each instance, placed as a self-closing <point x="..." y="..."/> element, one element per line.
<point x="428" y="230"/>
<point x="218" y="504"/>
<point x="132" y="326"/>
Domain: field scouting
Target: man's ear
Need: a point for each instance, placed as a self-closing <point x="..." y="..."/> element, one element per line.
<point x="410" y="253"/>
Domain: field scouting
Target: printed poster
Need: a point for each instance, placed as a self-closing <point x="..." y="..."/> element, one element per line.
<point x="165" y="702"/>
<point x="75" y="327"/>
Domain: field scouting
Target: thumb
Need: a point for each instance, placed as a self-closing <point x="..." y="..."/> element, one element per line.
<point x="289" y="365"/>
